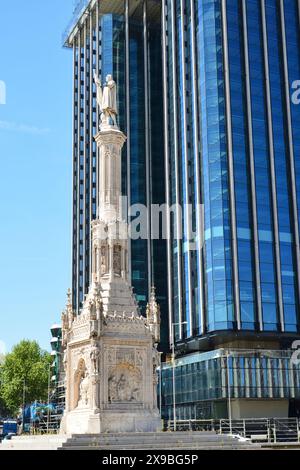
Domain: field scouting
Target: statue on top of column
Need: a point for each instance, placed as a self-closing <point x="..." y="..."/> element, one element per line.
<point x="107" y="100"/>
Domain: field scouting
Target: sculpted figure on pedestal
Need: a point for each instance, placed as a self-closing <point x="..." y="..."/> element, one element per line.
<point x="65" y="360"/>
<point x="104" y="267"/>
<point x="67" y="318"/>
<point x="156" y="359"/>
<point x="153" y="316"/>
<point x="94" y="355"/>
<point x="107" y="100"/>
<point x="64" y="328"/>
<point x="84" y="391"/>
<point x="92" y="309"/>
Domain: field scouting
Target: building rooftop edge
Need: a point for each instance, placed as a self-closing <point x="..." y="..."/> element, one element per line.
<point x="81" y="9"/>
<point x="224" y="352"/>
<point x="84" y="7"/>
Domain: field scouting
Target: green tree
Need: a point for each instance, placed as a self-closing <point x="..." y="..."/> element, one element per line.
<point x="27" y="366"/>
<point x="3" y="410"/>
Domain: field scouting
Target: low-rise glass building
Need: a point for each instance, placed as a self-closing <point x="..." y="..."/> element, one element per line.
<point x="262" y="383"/>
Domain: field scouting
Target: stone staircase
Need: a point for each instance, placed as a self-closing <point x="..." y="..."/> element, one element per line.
<point x="157" y="441"/>
<point x="130" y="441"/>
<point x="44" y="442"/>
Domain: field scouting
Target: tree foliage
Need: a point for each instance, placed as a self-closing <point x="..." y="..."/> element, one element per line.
<point x="26" y="366"/>
<point x="3" y="410"/>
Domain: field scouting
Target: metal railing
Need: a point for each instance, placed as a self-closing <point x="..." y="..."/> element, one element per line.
<point x="286" y="430"/>
<point x="190" y="425"/>
<point x="255" y="429"/>
<point x="269" y="430"/>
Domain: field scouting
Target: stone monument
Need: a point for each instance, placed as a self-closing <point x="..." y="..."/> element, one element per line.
<point x="110" y="350"/>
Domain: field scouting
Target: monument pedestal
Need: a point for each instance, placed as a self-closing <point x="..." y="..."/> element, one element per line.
<point x="119" y="422"/>
<point x="81" y="422"/>
<point x="118" y="393"/>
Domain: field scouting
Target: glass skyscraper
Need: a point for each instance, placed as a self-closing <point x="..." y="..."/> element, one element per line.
<point x="122" y="38"/>
<point x="232" y="144"/>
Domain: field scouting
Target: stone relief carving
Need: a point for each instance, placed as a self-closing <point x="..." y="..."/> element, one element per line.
<point x="139" y="358"/>
<point x="124" y="322"/>
<point x="117" y="260"/>
<point x="81" y="319"/>
<point x="125" y="356"/>
<point x="125" y="385"/>
<point x="80" y="332"/>
<point x="114" y="356"/>
<point x="112" y="389"/>
<point x="111" y="356"/>
<point x="104" y="260"/>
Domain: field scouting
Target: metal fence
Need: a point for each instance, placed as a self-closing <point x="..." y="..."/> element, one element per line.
<point x="270" y="430"/>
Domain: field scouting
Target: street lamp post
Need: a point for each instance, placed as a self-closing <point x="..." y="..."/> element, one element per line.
<point x="48" y="411"/>
<point x="160" y="388"/>
<point x="24" y="400"/>
<point x="229" y="393"/>
<point x="173" y="369"/>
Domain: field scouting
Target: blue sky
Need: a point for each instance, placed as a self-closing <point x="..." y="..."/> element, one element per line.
<point x="36" y="168"/>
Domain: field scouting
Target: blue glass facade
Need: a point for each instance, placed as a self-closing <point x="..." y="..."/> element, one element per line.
<point x="217" y="247"/>
<point x="265" y="222"/>
<point x="233" y="146"/>
<point x="290" y="18"/>
<point x="138" y="193"/>
<point x="242" y="185"/>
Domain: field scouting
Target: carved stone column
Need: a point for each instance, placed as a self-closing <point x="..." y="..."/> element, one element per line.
<point x="95" y="392"/>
